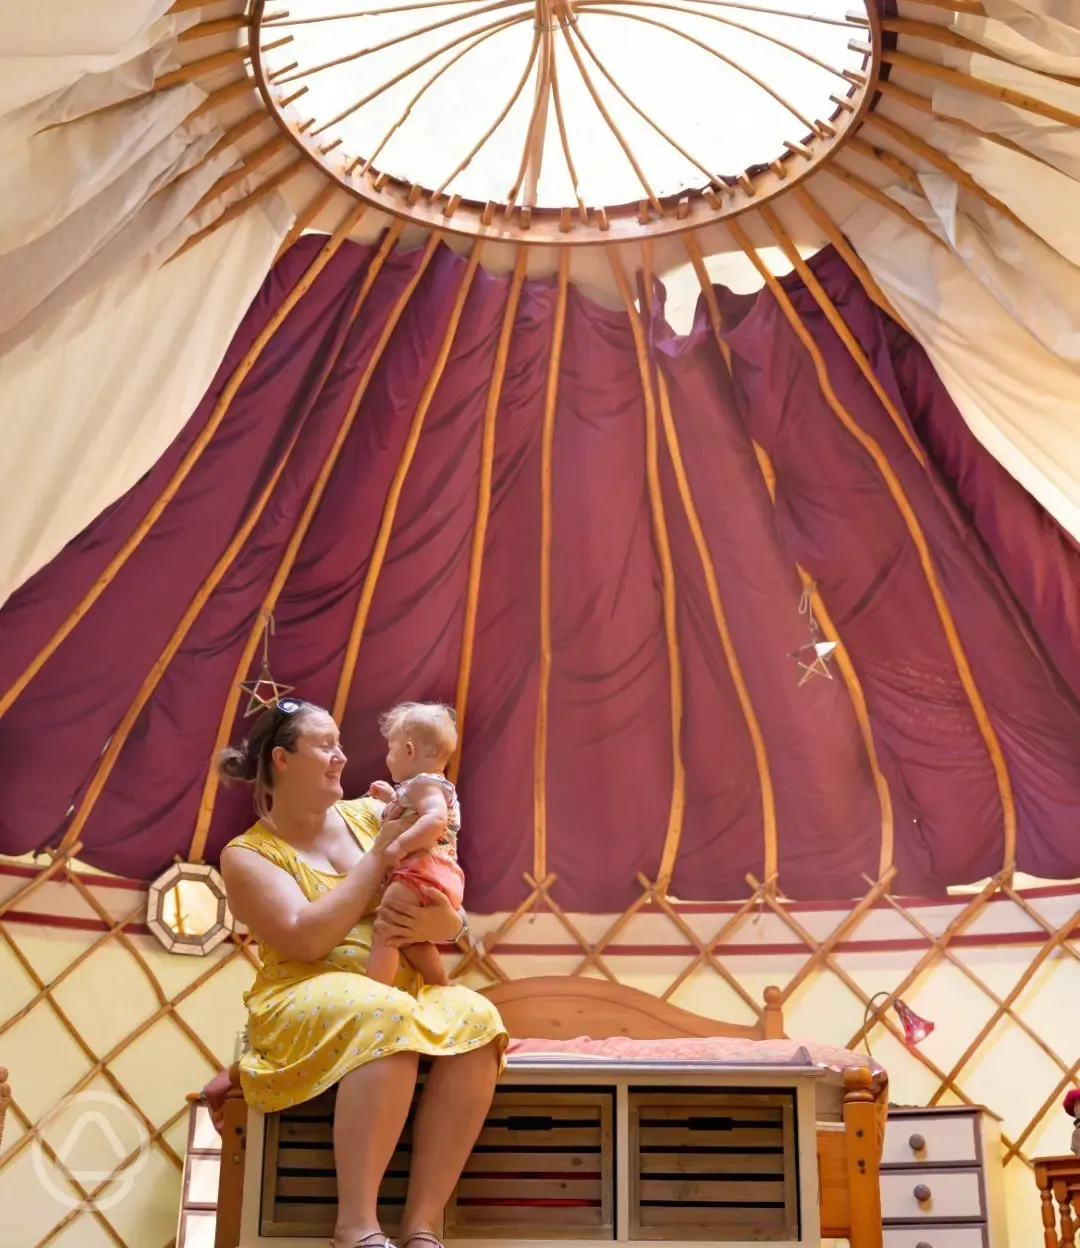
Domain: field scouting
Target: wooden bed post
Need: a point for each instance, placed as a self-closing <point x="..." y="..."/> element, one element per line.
<point x="772" y="1017"/>
<point x="5" y="1098"/>
<point x="863" y="1158"/>
<point x="231" y="1180"/>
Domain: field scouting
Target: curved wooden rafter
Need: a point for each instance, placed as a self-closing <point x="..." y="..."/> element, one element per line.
<point x="397" y="485"/>
<point x="832" y="315"/>
<point x="673" y="836"/>
<point x="483" y="506"/>
<point x="187" y="463"/>
<point x="982" y="719"/>
<point x="547" y="460"/>
<point x="292" y="550"/>
<point x="821" y="614"/>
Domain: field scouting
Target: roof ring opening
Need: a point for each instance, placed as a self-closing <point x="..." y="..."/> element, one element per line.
<point x="567" y="121"/>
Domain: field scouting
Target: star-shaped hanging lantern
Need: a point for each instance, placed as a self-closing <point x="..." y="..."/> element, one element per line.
<point x="813" y="656"/>
<point x="813" y="659"/>
<point x="264" y="692"/>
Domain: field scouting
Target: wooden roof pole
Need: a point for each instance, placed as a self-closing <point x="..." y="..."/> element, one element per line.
<point x="673" y="837"/>
<point x="381" y="544"/>
<point x="547" y="461"/>
<point x="483" y="505"/>
<point x="896" y="490"/>
<point x="197" y="848"/>
<point x="533" y="156"/>
<point x="191" y="456"/>
<point x="821" y="614"/>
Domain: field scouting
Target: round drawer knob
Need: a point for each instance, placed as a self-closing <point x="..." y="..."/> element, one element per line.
<point x="923" y="1244"/>
<point x="918" y="1144"/>
<point x="922" y="1193"/>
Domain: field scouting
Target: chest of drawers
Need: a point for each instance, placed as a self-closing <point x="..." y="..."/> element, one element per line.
<point x="941" y="1179"/>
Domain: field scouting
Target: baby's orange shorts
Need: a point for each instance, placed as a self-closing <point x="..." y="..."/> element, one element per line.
<point x="432" y="871"/>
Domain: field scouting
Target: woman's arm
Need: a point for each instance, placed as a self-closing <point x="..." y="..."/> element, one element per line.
<point x="270" y="903"/>
<point x="411" y="920"/>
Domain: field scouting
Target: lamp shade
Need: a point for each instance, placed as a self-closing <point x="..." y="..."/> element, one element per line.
<point x="916" y="1029"/>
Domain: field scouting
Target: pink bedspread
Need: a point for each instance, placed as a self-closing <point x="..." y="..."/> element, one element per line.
<point x="710" y="1049"/>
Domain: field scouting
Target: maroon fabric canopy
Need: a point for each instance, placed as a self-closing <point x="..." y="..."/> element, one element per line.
<point x="1007" y="573"/>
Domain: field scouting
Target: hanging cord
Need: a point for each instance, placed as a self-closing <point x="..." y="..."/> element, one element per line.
<point x="268" y="632"/>
<point x="806" y="608"/>
<point x="872" y="1012"/>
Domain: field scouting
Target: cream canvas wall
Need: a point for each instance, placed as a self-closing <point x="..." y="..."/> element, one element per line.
<point x="107" y="997"/>
<point x="110" y="994"/>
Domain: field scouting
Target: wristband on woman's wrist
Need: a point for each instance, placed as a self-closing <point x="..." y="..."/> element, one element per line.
<point x="464" y="927"/>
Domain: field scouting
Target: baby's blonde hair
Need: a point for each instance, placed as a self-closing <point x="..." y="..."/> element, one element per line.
<point x="430" y="726"/>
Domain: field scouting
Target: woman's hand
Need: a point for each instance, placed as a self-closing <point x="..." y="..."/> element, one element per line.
<point x="411" y="920"/>
<point x="387" y="847"/>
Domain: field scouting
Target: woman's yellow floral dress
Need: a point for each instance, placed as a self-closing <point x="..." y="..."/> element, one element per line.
<point x="310" y="1023"/>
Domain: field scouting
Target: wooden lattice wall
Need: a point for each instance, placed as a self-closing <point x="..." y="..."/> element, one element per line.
<point x="130" y="1019"/>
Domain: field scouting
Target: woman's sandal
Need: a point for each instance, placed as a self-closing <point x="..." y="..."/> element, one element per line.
<point x="373" y="1239"/>
<point x="425" y="1237"/>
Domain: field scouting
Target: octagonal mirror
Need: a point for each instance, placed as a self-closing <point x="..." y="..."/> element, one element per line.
<point x="187" y="910"/>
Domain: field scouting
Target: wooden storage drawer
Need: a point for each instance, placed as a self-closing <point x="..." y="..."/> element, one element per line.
<point x="299" y="1196"/>
<point x="943" y="1139"/>
<point x="712" y="1165"/>
<point x="935" y="1237"/>
<point x="953" y="1195"/>
<point x="543" y="1168"/>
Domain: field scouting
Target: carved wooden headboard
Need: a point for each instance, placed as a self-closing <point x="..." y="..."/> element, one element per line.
<point x="562" y="1007"/>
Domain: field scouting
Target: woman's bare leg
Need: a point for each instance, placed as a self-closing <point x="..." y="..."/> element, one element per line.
<point x="453" y="1106"/>
<point x="372" y="1104"/>
<point x="217" y="1090"/>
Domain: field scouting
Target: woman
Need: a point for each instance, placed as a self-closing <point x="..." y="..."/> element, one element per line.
<point x="303" y="880"/>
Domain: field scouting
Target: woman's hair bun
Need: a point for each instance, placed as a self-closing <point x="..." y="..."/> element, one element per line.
<point x="234" y="764"/>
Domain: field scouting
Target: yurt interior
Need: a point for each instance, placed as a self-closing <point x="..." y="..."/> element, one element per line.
<point x="559" y="518"/>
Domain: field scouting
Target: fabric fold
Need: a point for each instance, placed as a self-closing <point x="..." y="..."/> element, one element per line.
<point x="1018" y="399"/>
<point x="53" y="46"/>
<point x="1032" y="282"/>
<point x="92" y="399"/>
<point x="1004" y="572"/>
<point x="63" y="170"/>
<point x="1046" y="200"/>
<point x="104" y="353"/>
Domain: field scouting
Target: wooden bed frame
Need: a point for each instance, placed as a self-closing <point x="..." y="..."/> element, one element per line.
<point x="558" y="1007"/>
<point x="566" y="1007"/>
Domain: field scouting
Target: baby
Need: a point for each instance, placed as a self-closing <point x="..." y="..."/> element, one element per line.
<point x="421" y="738"/>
